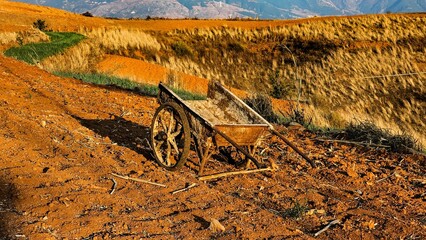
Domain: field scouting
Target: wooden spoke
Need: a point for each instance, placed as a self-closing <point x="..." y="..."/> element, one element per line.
<point x="173" y="143"/>
<point x="158" y="145"/>
<point x="177" y="132"/>
<point x="163" y="124"/>
<point x="171" y="122"/>
<point x="168" y="153"/>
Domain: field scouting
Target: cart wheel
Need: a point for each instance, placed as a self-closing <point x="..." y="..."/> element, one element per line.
<point x="170" y="136"/>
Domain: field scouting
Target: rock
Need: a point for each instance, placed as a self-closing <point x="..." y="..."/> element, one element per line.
<point x="294" y="126"/>
<point x="216" y="226"/>
<point x="351" y="171"/>
<point x="369" y="224"/>
<point x="370" y="176"/>
<point x="274" y="166"/>
<point x="315" y="211"/>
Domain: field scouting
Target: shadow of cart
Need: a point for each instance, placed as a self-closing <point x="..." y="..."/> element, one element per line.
<point x="123" y="132"/>
<point x="8" y="213"/>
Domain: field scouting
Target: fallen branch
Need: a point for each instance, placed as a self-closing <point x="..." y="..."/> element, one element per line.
<point x="352" y="142"/>
<point x="414" y="151"/>
<point x="334" y="222"/>
<point x="380" y="180"/>
<point x="185" y="189"/>
<point x="138" y="180"/>
<point x="219" y="175"/>
<point x="114" y="185"/>
<point x="419" y="181"/>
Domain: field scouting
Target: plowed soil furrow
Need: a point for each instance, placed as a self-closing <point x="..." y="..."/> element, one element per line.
<point x="61" y="140"/>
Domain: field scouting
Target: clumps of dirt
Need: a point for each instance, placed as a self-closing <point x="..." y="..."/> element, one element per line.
<point x="367" y="132"/>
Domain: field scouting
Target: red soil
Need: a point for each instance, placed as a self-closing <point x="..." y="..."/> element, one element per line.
<point x="61" y="140"/>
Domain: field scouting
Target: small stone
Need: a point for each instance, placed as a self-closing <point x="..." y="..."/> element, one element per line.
<point x="351" y="171"/>
<point x="315" y="211"/>
<point x="216" y="226"/>
<point x="370" y="176"/>
<point x="274" y="166"/>
<point x="369" y="224"/>
<point x="294" y="126"/>
<point x="43" y="123"/>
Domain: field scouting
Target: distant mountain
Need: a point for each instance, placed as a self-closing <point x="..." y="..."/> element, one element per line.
<point x="271" y="9"/>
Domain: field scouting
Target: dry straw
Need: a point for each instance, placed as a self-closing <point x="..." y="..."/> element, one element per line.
<point x="340" y="79"/>
<point x="9" y="39"/>
<point x="337" y="59"/>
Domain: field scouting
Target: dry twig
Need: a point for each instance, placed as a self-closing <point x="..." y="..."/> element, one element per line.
<point x="352" y="142"/>
<point x="414" y="151"/>
<point x="419" y="181"/>
<point x="214" y="176"/>
<point x="138" y="180"/>
<point x="114" y="185"/>
<point x="334" y="222"/>
<point x="184" y="189"/>
<point x="380" y="180"/>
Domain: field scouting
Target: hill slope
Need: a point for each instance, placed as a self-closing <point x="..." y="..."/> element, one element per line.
<point x="62" y="139"/>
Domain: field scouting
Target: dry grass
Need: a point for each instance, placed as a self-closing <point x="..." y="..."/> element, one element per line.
<point x="80" y="58"/>
<point x="369" y="133"/>
<point x="341" y="90"/>
<point x="116" y="39"/>
<point x="335" y="56"/>
<point x="85" y="56"/>
<point x="309" y="42"/>
<point x="9" y="39"/>
<point x="336" y="59"/>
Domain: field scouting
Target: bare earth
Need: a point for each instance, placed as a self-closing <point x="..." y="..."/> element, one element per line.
<point x="61" y="140"/>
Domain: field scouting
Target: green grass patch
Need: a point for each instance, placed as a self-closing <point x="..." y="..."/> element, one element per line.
<point x="296" y="211"/>
<point x="123" y="83"/>
<point x="35" y="52"/>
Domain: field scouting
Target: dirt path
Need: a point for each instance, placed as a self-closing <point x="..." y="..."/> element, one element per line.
<point x="61" y="139"/>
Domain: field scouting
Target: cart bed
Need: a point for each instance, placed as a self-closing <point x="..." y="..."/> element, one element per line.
<point x="210" y="111"/>
<point x="229" y="121"/>
<point x="223" y="111"/>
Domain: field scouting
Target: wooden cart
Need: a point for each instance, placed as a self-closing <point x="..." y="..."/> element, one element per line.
<point x="221" y="123"/>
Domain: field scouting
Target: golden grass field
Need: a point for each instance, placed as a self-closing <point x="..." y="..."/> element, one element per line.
<point x="351" y="68"/>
